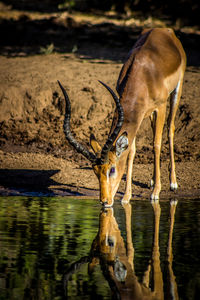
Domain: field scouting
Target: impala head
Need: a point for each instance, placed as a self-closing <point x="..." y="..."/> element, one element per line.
<point x="107" y="162"/>
<point x="110" y="169"/>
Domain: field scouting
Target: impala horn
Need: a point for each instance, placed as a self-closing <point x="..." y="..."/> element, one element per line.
<point x="79" y="148"/>
<point x="109" y="143"/>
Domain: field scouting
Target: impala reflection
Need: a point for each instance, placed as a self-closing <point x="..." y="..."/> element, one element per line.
<point x="116" y="258"/>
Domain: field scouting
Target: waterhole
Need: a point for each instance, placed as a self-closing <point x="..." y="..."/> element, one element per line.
<point x="66" y="248"/>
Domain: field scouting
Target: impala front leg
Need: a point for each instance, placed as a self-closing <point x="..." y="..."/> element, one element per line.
<point x="128" y="191"/>
<point x="157" y="125"/>
<point x="175" y="98"/>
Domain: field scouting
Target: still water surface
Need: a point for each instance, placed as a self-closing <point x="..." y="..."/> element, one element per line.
<point x="61" y="248"/>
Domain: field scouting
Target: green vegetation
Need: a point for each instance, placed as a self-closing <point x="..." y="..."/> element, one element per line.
<point x="47" y="50"/>
<point x="67" y="4"/>
<point x="40" y="237"/>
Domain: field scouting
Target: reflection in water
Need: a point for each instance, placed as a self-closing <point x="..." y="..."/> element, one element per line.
<point x="61" y="248"/>
<point x="117" y="260"/>
<point x="171" y="291"/>
<point x="39" y="237"/>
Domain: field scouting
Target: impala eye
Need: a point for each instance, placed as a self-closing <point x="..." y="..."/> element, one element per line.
<point x="112" y="171"/>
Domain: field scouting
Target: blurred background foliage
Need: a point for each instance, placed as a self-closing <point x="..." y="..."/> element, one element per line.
<point x="189" y="10"/>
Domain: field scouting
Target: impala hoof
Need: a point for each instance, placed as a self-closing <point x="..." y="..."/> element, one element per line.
<point x="154" y="197"/>
<point x="126" y="199"/>
<point x="173" y="186"/>
<point x="105" y="204"/>
<point x="173" y="202"/>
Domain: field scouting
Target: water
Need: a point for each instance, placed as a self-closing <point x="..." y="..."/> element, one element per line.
<point x="62" y="248"/>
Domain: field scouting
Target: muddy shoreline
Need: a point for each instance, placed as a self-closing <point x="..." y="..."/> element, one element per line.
<point x="33" y="174"/>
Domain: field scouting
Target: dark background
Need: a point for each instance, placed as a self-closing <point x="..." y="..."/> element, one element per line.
<point x="186" y="10"/>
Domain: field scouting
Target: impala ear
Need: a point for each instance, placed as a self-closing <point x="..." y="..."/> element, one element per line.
<point x="121" y="144"/>
<point x="94" y="144"/>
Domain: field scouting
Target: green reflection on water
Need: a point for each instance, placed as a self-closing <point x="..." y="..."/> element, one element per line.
<point x="40" y="238"/>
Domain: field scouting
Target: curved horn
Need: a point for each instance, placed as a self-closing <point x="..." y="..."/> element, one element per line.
<point x="108" y="145"/>
<point x="66" y="126"/>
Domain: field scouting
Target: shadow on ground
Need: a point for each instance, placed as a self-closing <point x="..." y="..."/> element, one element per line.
<point x="33" y="182"/>
<point x="38" y="183"/>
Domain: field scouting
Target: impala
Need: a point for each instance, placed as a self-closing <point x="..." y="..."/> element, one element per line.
<point x="152" y="73"/>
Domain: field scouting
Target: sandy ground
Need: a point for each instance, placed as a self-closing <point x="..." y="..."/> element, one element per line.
<point x="34" y="155"/>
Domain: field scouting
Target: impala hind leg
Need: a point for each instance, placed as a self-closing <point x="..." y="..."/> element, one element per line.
<point x="128" y="190"/>
<point x="157" y="123"/>
<point x="174" y="102"/>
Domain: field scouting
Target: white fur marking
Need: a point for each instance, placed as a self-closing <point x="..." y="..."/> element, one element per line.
<point x="151" y="183"/>
<point x="121" y="145"/>
<point x="154" y="197"/>
<point x="107" y="176"/>
<point x="176" y="92"/>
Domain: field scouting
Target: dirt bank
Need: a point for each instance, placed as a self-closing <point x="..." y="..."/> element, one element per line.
<point x="31" y="114"/>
